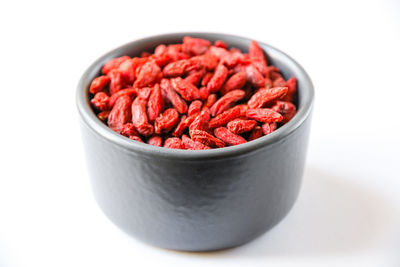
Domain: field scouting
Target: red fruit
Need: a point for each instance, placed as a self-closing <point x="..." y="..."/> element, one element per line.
<point x="236" y="81"/>
<point x="225" y="117"/>
<point x="98" y="84"/>
<point x="174" y="142"/>
<point x="218" y="79"/>
<point x="207" y="139"/>
<point x="155" y="104"/>
<point x="187" y="90"/>
<point x="193" y="145"/>
<point x="264" y="115"/>
<point x="155" y="140"/>
<point x="286" y="109"/>
<point x="139" y="117"/>
<point x="228" y="137"/>
<point x="265" y="96"/>
<point x="226" y="102"/>
<point x="101" y="101"/>
<point x="238" y="126"/>
<point x="149" y="74"/>
<point x="120" y="114"/>
<point x="166" y="121"/>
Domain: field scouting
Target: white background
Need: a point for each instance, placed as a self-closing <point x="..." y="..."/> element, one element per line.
<point x="348" y="212"/>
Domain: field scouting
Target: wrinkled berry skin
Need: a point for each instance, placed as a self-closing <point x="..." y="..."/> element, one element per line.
<point x="194" y="95"/>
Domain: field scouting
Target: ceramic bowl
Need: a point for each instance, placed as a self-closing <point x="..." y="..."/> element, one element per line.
<point x="196" y="200"/>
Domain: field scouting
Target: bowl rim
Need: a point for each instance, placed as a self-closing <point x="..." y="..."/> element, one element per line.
<point x="88" y="116"/>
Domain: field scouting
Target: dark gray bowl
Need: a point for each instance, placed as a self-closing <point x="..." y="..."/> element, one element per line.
<point x="196" y="200"/>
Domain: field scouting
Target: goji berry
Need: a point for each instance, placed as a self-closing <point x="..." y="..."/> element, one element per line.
<point x="220" y="44"/>
<point x="265" y="96"/>
<point x="286" y="109"/>
<point x="166" y="121"/>
<point x="180" y="128"/>
<point x="268" y="128"/>
<point x="98" y="84"/>
<point x="148" y="75"/>
<point x="195" y="46"/>
<point x="218" y="78"/>
<point x="139" y="117"/>
<point x="256" y="133"/>
<point x="230" y="93"/>
<point x="211" y="99"/>
<point x="292" y="88"/>
<point x="238" y="126"/>
<point x="174" y="142"/>
<point x="236" y="81"/>
<point x="195" y="107"/>
<point x="155" y="103"/>
<point x="226" y="102"/>
<point x="178" y="68"/>
<point x="116" y="82"/>
<point x="228" y="137"/>
<point x="193" y="145"/>
<point x="206" y="78"/>
<point x="103" y="116"/>
<point x="136" y="138"/>
<point x="225" y="117"/>
<point x="100" y="101"/>
<point x="170" y="94"/>
<point x="120" y="113"/>
<point x="200" y="122"/>
<point x="155" y="140"/>
<point x="128" y="130"/>
<point x="195" y="77"/>
<point x="127" y="91"/>
<point x="113" y="64"/>
<point x="207" y="139"/>
<point x="264" y="115"/>
<point x="187" y="90"/>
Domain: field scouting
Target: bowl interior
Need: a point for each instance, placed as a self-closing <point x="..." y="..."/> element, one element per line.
<point x="288" y="66"/>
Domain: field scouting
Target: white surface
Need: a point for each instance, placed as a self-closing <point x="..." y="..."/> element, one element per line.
<point x="348" y="213"/>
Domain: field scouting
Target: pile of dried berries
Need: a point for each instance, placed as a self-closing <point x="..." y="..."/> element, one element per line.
<point x="194" y="95"/>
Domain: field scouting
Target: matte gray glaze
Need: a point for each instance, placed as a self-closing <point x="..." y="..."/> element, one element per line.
<point x="196" y="200"/>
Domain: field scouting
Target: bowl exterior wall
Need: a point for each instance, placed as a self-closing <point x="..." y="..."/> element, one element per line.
<point x="196" y="205"/>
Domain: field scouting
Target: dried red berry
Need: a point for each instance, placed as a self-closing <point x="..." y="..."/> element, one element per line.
<point x="113" y="64"/>
<point x="226" y="102"/>
<point x="265" y="96"/>
<point x="169" y="93"/>
<point x="166" y="121"/>
<point x="256" y="133"/>
<point x="228" y="137"/>
<point x="101" y="101"/>
<point x="236" y="81"/>
<point x="218" y="78"/>
<point x="286" y="109"/>
<point x="193" y="145"/>
<point x="120" y="113"/>
<point x="187" y="90"/>
<point x="268" y="128"/>
<point x="148" y="75"/>
<point x="174" y="142"/>
<point x="155" y="140"/>
<point x="229" y="92"/>
<point x="195" y="107"/>
<point x="207" y="139"/>
<point x="238" y="126"/>
<point x="139" y="117"/>
<point x="98" y="84"/>
<point x="225" y="117"/>
<point x="264" y="115"/>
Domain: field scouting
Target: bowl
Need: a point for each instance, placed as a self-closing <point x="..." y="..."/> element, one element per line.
<point x="196" y="200"/>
